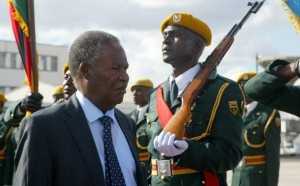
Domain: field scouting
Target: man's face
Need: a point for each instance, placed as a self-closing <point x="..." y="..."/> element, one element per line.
<point x="177" y="45"/>
<point x="141" y="95"/>
<point x="108" y="78"/>
<point x="69" y="88"/>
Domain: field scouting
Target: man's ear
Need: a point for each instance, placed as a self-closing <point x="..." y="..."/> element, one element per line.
<point x="83" y="71"/>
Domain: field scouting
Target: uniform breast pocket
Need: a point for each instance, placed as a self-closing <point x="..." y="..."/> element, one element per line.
<point x="254" y="136"/>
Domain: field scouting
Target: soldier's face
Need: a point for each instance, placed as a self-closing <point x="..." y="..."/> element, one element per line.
<point x="179" y="44"/>
<point x="141" y="95"/>
<point x="69" y="88"/>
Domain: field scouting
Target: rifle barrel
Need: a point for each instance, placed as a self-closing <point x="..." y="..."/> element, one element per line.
<point x="254" y="8"/>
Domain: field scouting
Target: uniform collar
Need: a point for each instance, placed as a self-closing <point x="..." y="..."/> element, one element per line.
<point x="185" y="78"/>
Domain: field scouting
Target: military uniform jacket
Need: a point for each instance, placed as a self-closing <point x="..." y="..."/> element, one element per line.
<point x="273" y="91"/>
<point x="142" y="139"/>
<point x="261" y="149"/>
<point x="213" y="134"/>
<point x="9" y="122"/>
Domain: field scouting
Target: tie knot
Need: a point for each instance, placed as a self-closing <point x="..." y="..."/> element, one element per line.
<point x="106" y="120"/>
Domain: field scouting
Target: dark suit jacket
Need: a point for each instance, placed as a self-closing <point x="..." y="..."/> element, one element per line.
<point x="57" y="149"/>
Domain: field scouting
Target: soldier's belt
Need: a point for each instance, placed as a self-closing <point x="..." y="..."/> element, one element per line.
<point x="168" y="168"/>
<point x="254" y="160"/>
<point x="144" y="156"/>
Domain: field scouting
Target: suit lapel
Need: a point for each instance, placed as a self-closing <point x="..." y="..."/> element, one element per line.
<point x="130" y="136"/>
<point x="82" y="135"/>
<point x="123" y="123"/>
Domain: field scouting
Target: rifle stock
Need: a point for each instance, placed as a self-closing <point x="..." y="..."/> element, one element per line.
<point x="177" y="123"/>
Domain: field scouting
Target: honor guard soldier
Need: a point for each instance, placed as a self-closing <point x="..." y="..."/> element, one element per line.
<point x="68" y="85"/>
<point x="271" y="88"/>
<point x="9" y="125"/>
<point x="261" y="143"/>
<point x="141" y="92"/>
<point x="212" y="142"/>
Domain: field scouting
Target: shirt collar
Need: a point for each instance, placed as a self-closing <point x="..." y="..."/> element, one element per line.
<point x="185" y="78"/>
<point x="91" y="112"/>
<point x="139" y="108"/>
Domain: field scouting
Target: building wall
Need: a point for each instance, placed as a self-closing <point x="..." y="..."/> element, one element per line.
<point x="51" y="61"/>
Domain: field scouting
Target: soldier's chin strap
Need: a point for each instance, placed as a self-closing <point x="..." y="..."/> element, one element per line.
<point x="164" y="115"/>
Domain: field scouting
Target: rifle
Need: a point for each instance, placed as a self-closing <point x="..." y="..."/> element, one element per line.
<point x="183" y="115"/>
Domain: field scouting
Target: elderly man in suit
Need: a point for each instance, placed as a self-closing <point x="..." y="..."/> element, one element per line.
<point x="84" y="141"/>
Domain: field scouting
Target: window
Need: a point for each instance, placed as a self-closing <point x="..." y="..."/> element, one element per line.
<point x="53" y="66"/>
<point x="13" y="60"/>
<point x="2" y="59"/>
<point x="43" y="63"/>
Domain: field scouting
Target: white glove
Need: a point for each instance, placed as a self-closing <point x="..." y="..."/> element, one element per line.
<point x="166" y="144"/>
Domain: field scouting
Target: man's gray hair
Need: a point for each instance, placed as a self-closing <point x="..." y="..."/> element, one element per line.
<point x="88" y="47"/>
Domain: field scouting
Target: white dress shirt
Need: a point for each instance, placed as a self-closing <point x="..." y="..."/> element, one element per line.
<point x="185" y="78"/>
<point x="250" y="107"/>
<point x="124" y="155"/>
<point x="141" y="111"/>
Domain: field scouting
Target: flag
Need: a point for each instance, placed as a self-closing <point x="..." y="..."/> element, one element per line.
<point x="292" y="8"/>
<point x="22" y="19"/>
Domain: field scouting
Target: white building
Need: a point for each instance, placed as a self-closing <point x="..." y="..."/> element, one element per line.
<point x="51" y="61"/>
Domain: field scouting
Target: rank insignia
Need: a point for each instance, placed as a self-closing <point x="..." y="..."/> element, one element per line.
<point x="176" y="18"/>
<point x="233" y="107"/>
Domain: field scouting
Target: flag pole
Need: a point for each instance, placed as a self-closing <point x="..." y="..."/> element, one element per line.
<point x="34" y="56"/>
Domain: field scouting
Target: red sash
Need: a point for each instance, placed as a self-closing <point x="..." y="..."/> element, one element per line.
<point x="164" y="115"/>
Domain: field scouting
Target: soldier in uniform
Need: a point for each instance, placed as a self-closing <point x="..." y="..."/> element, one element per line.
<point x="212" y="143"/>
<point x="141" y="92"/>
<point x="271" y="88"/>
<point x="2" y="102"/>
<point x="9" y="123"/>
<point x="261" y="143"/>
<point x="68" y="85"/>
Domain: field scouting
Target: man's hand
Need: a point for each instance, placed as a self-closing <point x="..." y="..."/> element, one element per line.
<point x="168" y="146"/>
<point x="31" y="103"/>
<point x="285" y="70"/>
